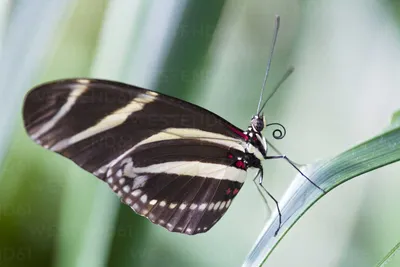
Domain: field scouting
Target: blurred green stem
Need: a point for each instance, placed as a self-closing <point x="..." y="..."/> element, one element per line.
<point x="389" y="256"/>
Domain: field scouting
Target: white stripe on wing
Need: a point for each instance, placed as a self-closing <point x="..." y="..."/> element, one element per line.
<point x="114" y="119"/>
<point x="191" y="168"/>
<point x="73" y="96"/>
<point x="183" y="133"/>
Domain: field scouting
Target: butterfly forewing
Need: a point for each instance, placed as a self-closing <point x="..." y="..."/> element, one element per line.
<point x="169" y="160"/>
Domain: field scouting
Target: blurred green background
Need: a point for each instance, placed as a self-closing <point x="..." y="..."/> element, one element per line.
<point x="212" y="53"/>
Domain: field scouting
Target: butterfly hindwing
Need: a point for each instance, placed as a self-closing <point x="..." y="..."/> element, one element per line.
<point x="189" y="204"/>
<point x="181" y="195"/>
<point x="167" y="159"/>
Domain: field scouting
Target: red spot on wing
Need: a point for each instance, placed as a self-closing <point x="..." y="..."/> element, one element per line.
<point x="230" y="156"/>
<point x="228" y="191"/>
<point x="235" y="191"/>
<point x="240" y="164"/>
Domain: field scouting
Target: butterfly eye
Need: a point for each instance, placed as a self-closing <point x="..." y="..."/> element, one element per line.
<point x="257" y="124"/>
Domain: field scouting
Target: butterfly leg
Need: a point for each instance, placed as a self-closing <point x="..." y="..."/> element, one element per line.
<point x="261" y="188"/>
<point x="294" y="166"/>
<point x="261" y="191"/>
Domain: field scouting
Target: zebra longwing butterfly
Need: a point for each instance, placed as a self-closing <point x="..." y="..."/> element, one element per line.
<point x="171" y="161"/>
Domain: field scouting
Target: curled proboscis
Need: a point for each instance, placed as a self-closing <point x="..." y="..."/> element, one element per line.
<point x="279" y="132"/>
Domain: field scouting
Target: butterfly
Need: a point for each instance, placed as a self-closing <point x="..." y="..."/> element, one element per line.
<point x="173" y="162"/>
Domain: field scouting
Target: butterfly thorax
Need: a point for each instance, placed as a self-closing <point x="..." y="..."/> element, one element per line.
<point x="256" y="143"/>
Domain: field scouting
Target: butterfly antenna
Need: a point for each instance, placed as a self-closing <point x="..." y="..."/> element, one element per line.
<point x="276" y="29"/>
<point x="287" y="74"/>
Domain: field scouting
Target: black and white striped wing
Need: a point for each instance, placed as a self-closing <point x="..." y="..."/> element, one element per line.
<point x="187" y="196"/>
<point x="170" y="161"/>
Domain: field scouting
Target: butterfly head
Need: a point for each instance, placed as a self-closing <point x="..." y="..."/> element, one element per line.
<point x="258" y="123"/>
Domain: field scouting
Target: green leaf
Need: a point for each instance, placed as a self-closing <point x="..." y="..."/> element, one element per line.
<point x="390" y="255"/>
<point x="395" y="122"/>
<point x="328" y="174"/>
